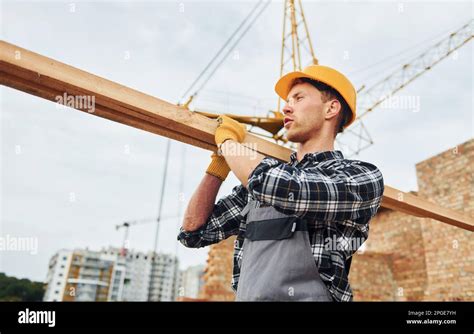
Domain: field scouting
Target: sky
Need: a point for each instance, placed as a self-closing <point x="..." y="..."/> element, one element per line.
<point x="68" y="178"/>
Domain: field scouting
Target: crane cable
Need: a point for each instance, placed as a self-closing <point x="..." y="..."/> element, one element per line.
<point x="223" y="48"/>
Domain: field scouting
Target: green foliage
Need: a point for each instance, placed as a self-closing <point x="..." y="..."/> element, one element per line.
<point x="14" y="289"/>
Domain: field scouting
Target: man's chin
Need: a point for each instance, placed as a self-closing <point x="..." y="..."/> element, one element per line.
<point x="293" y="137"/>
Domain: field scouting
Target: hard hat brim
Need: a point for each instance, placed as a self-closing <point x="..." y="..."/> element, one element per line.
<point x="282" y="87"/>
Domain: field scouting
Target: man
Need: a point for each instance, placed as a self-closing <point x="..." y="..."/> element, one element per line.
<point x="297" y="223"/>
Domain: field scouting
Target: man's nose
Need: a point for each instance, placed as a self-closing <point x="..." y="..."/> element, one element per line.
<point x="287" y="109"/>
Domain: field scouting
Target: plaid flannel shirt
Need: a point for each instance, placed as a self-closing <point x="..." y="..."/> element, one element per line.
<point x="336" y="196"/>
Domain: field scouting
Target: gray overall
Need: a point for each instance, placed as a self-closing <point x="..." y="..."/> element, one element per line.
<point x="277" y="263"/>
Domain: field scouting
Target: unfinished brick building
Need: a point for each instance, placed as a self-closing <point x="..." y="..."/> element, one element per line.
<point x="218" y="272"/>
<point x="405" y="258"/>
<point x="410" y="258"/>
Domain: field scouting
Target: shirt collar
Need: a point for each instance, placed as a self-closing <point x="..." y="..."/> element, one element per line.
<point x="318" y="156"/>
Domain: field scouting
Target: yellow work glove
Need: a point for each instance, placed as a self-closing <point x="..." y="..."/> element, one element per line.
<point x="218" y="167"/>
<point x="229" y="129"/>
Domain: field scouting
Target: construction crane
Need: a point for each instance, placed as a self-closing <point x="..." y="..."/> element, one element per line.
<point x="372" y="97"/>
<point x="126" y="226"/>
<point x="295" y="44"/>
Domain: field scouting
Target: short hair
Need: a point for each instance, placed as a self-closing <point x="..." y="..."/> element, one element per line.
<point x="329" y="93"/>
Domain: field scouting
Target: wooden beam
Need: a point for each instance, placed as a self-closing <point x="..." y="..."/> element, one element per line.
<point x="413" y="205"/>
<point x="42" y="76"/>
<point x="47" y="78"/>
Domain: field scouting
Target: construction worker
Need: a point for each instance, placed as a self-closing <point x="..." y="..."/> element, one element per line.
<point x="297" y="223"/>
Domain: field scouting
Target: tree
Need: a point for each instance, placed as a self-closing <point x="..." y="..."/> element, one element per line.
<point x="14" y="289"/>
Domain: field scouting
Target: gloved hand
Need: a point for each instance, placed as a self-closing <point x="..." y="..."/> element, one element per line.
<point x="218" y="167"/>
<point x="229" y="129"/>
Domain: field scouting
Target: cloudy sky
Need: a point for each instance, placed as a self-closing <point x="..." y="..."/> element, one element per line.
<point x="68" y="178"/>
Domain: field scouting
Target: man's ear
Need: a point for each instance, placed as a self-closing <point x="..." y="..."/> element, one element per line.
<point x="334" y="108"/>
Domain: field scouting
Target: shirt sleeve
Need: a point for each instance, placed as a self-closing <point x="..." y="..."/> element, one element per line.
<point x="223" y="222"/>
<point x="351" y="190"/>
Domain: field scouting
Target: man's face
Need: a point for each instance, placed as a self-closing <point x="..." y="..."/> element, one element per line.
<point x="304" y="112"/>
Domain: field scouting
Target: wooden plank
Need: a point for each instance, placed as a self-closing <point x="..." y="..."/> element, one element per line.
<point x="104" y="112"/>
<point x="413" y="205"/>
<point x="47" y="78"/>
<point x="48" y="73"/>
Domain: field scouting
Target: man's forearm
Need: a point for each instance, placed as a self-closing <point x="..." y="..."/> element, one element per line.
<point x="241" y="160"/>
<point x="202" y="203"/>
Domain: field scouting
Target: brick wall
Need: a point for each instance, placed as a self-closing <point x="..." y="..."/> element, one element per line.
<point x="218" y="272"/>
<point x="429" y="260"/>
<point x="447" y="179"/>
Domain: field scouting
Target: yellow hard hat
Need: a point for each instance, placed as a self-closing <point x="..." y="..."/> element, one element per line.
<point x="326" y="75"/>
